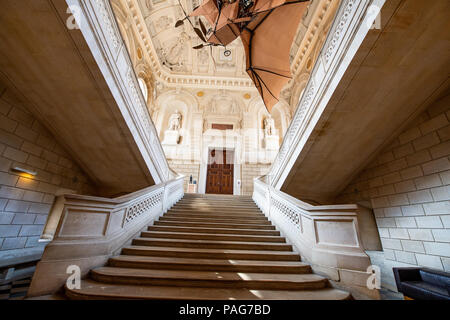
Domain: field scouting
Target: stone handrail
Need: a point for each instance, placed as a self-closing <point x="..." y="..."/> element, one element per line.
<point x="98" y="25"/>
<point x="351" y="24"/>
<point x="92" y="229"/>
<point x="326" y="236"/>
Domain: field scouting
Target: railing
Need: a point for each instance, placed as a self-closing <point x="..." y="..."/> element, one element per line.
<point x="92" y="229"/>
<point x="98" y="25"/>
<point x="352" y="23"/>
<point x="327" y="237"/>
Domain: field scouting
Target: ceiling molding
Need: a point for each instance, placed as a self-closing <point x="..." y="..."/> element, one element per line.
<point x="169" y="79"/>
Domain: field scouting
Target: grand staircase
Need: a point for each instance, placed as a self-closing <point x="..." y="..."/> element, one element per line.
<point x="208" y="247"/>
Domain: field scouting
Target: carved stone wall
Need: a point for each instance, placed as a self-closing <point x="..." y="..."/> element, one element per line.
<point x="147" y="27"/>
<point x="208" y="88"/>
<point x="240" y="119"/>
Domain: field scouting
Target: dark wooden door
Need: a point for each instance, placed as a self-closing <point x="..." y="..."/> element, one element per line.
<point x="219" y="179"/>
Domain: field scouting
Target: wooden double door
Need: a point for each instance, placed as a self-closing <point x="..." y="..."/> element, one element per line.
<point x="220" y="174"/>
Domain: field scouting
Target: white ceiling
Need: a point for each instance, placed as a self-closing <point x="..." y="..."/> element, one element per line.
<point x="174" y="45"/>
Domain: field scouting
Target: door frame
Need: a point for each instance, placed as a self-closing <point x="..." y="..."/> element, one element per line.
<point x="204" y="168"/>
<point x="227" y="153"/>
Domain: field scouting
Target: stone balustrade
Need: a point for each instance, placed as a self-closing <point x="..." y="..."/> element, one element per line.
<point x="326" y="236"/>
<point x="351" y="25"/>
<point x="92" y="229"/>
<point x="98" y="26"/>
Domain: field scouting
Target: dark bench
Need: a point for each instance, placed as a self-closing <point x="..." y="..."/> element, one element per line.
<point x="423" y="283"/>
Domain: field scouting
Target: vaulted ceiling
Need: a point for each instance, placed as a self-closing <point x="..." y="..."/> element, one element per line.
<point x="173" y="46"/>
<point x="164" y="56"/>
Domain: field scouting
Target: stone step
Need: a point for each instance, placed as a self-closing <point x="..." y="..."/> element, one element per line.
<point x="188" y="197"/>
<point x="213" y="219"/>
<point x="210" y="244"/>
<point x="169" y="263"/>
<point x="96" y="290"/>
<point x="216" y="208"/>
<point x="224" y="202"/>
<point x="218" y="204"/>
<point x="208" y="247"/>
<point x="208" y="236"/>
<point x="184" y="278"/>
<point x="211" y="195"/>
<point x="214" y="230"/>
<point x="217" y="213"/>
<point x="202" y="253"/>
<point x="214" y="225"/>
<point x="214" y="215"/>
<point x="208" y="201"/>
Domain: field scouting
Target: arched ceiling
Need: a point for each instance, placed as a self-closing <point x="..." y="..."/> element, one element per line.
<point x="165" y="52"/>
<point x="174" y="45"/>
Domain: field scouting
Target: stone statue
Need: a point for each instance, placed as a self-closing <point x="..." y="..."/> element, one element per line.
<point x="172" y="134"/>
<point x="174" y="55"/>
<point x="175" y="121"/>
<point x="234" y="107"/>
<point x="271" y="139"/>
<point x="213" y="106"/>
<point x="203" y="56"/>
<point x="269" y="126"/>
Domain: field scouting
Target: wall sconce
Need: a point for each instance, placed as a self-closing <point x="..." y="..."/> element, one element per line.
<point x="22" y="170"/>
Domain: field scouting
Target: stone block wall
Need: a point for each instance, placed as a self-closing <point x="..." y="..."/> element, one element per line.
<point x="249" y="172"/>
<point x="187" y="168"/>
<point x="25" y="201"/>
<point x="408" y="186"/>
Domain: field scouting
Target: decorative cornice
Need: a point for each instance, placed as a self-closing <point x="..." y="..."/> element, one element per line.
<point x="214" y="82"/>
<point x="314" y="26"/>
<point x="173" y="80"/>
